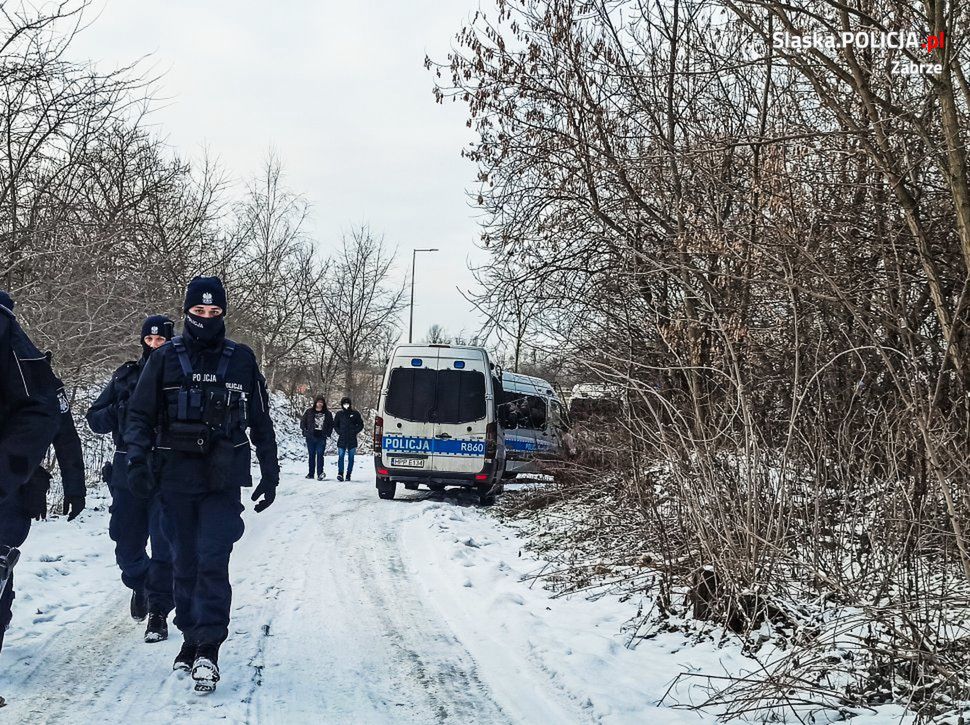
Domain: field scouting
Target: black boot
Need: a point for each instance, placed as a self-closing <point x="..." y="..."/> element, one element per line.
<point x="309" y="475"/>
<point x="185" y="658"/>
<point x="205" y="671"/>
<point x="157" y="630"/>
<point x="139" y="605"/>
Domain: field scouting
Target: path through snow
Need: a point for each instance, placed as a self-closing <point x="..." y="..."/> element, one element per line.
<point x="346" y="609"/>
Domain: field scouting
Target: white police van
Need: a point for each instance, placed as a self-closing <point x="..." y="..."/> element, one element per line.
<point x="436" y="421"/>
<point x="533" y="420"/>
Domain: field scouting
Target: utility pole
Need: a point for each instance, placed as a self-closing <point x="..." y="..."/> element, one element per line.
<point x="414" y="254"/>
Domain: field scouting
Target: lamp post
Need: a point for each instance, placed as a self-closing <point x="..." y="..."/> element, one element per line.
<point x="414" y="254"/>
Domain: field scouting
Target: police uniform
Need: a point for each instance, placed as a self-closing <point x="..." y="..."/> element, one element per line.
<point x="201" y="392"/>
<point x="134" y="520"/>
<point x="30" y="419"/>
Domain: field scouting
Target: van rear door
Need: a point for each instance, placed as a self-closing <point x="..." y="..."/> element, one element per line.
<point x="408" y="441"/>
<point x="461" y="412"/>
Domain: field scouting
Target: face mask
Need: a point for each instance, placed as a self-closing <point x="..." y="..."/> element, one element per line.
<point x="346" y="406"/>
<point x="204" y="329"/>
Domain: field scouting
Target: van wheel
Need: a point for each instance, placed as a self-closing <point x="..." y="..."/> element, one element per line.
<point x="385" y="489"/>
<point x="436" y="487"/>
<point x="484" y="497"/>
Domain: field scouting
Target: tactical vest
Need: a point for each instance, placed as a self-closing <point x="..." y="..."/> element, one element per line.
<point x="206" y="411"/>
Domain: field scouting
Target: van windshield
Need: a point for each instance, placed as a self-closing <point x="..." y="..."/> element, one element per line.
<point x="440" y="396"/>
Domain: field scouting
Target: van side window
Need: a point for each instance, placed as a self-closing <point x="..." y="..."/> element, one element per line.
<point x="523" y="411"/>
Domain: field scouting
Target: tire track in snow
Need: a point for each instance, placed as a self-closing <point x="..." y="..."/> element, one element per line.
<point x="328" y="625"/>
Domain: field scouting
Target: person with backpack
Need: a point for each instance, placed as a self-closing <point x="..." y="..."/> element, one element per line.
<point x="347" y="424"/>
<point x="317" y="426"/>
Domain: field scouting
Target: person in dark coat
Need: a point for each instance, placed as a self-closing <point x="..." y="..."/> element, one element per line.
<point x="201" y="392"/>
<point x="347" y="424"/>
<point x="31" y="419"/>
<point x="317" y="426"/>
<point x="136" y="521"/>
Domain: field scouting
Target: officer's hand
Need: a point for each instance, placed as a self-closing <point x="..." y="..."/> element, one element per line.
<point x="266" y="489"/>
<point x="140" y="479"/>
<point x="73" y="505"/>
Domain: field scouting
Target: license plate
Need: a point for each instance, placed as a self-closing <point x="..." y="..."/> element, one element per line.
<point x="408" y="462"/>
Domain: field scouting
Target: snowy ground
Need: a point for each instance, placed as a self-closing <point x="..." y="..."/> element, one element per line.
<point x="346" y="609"/>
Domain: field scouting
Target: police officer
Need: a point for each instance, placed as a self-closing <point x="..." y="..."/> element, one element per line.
<point x="30" y="419"/>
<point x="135" y="521"/>
<point x="201" y="392"/>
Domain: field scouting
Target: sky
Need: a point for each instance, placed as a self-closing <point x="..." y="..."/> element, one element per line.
<point x="338" y="88"/>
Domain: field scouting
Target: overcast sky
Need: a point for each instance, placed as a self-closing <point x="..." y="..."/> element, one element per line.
<point x="338" y="88"/>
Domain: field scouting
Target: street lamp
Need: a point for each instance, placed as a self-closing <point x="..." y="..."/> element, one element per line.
<point x="414" y="254"/>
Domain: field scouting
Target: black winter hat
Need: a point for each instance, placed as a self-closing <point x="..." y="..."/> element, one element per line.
<point x="205" y="291"/>
<point x="157" y="325"/>
<point x="6" y="300"/>
<point x="345" y="399"/>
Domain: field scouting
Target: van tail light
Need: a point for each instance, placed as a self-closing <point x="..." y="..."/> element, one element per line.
<point x="481" y="476"/>
<point x="491" y="440"/>
<point x="383" y="472"/>
<point x="378" y="433"/>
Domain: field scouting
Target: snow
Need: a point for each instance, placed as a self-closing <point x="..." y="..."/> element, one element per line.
<point x="346" y="608"/>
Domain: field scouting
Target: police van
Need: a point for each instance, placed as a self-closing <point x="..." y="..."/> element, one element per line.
<point x="533" y="421"/>
<point x="437" y="422"/>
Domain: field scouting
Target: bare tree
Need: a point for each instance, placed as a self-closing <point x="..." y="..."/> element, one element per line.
<point x="272" y="271"/>
<point x="361" y="302"/>
<point x="761" y="251"/>
<point x="437" y="335"/>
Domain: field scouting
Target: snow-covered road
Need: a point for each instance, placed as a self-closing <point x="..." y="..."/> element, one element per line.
<point x="346" y="609"/>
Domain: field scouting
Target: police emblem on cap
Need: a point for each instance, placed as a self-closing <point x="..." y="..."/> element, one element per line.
<point x="207" y="298"/>
<point x="154" y="330"/>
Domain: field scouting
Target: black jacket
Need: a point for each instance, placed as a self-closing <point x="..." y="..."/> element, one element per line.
<point x="347" y="424"/>
<point x="308" y="423"/>
<point x="108" y="414"/>
<point x="28" y="405"/>
<point x="155" y="402"/>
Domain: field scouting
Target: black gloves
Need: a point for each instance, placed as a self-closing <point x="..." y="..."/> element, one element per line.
<point x="73" y="505"/>
<point x="33" y="494"/>
<point x="266" y="489"/>
<point x="140" y="479"/>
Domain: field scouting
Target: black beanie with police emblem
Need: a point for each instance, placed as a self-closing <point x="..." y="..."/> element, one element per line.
<point x="155" y="325"/>
<point x="205" y="291"/>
